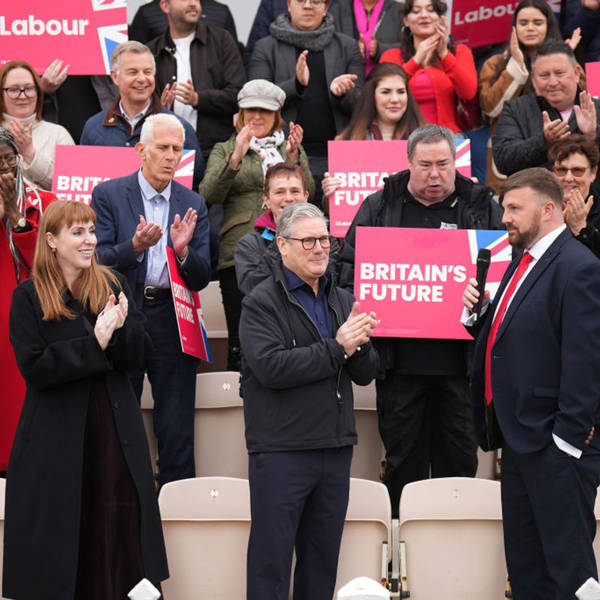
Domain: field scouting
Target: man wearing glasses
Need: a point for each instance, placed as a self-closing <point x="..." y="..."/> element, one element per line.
<point x="304" y="341"/>
<point x="574" y="161"/>
<point x="320" y="71"/>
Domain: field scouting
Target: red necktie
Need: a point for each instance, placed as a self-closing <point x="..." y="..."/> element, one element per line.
<point x="510" y="290"/>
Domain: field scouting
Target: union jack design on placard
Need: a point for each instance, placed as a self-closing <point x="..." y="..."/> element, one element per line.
<point x="463" y="154"/>
<point x="110" y="37"/>
<point x="497" y="243"/>
<point x="186" y="166"/>
<point x="200" y="316"/>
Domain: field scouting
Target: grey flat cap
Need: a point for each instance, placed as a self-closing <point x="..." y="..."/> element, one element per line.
<point x="260" y="93"/>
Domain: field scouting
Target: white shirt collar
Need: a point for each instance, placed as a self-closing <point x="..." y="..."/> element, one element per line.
<point x="538" y="249"/>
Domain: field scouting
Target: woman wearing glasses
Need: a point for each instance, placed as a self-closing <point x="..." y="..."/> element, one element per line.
<point x="21" y="102"/>
<point x="21" y="206"/>
<point x="574" y="161"/>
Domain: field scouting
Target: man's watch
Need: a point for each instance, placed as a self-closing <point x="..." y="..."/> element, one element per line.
<point x="20" y="225"/>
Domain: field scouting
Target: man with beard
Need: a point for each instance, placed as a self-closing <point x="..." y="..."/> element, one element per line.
<point x="201" y="66"/>
<point x="535" y="390"/>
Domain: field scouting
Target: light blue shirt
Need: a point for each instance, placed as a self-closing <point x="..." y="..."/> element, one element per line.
<point x="156" y="209"/>
<point x="133" y="122"/>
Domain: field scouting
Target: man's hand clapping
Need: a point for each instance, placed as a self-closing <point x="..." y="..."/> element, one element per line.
<point x="356" y="330"/>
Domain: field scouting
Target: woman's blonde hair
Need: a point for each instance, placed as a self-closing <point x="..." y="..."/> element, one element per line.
<point x="92" y="288"/>
<point x="241" y="121"/>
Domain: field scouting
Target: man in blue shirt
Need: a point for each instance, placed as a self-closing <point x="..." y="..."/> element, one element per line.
<point x="138" y="217"/>
<point x="304" y="341"/>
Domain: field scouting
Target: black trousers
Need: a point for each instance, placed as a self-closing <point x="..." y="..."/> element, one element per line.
<point x="297" y="499"/>
<point x="549" y="524"/>
<point x="426" y="424"/>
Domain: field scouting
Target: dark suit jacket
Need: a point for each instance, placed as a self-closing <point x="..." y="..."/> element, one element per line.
<point x="118" y="204"/>
<point x="546" y="357"/>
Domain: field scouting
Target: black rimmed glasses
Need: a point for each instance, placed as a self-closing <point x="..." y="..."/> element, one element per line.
<point x="13" y="92"/>
<point x="308" y="243"/>
<point x="311" y="2"/>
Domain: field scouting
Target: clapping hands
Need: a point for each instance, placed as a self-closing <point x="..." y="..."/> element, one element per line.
<point x="111" y="318"/>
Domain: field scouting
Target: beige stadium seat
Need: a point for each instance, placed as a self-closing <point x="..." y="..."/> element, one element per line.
<point x="206" y="524"/>
<point x="366" y="547"/>
<point x="451" y="540"/>
<point x="486" y="464"/>
<point x="219" y="442"/>
<point x="213" y="311"/>
<point x="368" y="454"/>
<point x="2" y="492"/>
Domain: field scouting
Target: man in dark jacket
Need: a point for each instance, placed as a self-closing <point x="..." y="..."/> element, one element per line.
<point x="530" y="124"/>
<point x="423" y="398"/>
<point x="133" y="71"/>
<point x="303" y="341"/>
<point x="203" y="67"/>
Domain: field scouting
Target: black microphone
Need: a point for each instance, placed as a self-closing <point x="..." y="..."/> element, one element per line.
<point x="484" y="257"/>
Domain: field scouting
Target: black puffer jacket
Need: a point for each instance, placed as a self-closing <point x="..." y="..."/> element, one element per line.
<point x="297" y="385"/>
<point x="477" y="209"/>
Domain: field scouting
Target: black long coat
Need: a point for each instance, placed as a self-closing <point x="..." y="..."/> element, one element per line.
<point x="43" y="492"/>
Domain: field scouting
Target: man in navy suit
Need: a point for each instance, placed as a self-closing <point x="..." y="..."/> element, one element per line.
<point x="536" y="391"/>
<point x="138" y="217"/>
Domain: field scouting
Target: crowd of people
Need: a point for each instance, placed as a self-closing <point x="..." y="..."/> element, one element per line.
<point x="92" y="309"/>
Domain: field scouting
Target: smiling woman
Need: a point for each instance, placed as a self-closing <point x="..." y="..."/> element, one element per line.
<point x="76" y="333"/>
<point x="21" y="101"/>
<point x="234" y="177"/>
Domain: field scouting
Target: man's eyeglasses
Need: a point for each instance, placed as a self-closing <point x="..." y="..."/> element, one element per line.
<point x="13" y="92"/>
<point x="311" y="2"/>
<point x="308" y="243"/>
<point x="575" y="171"/>
<point x="9" y="161"/>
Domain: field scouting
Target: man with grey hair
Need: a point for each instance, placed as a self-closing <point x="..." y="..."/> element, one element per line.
<point x="530" y="124"/>
<point x="138" y="217"/>
<point x="133" y="72"/>
<point x="423" y="400"/>
<point x="304" y="341"/>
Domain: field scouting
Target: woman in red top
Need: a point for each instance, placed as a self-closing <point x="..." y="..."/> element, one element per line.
<point x="439" y="71"/>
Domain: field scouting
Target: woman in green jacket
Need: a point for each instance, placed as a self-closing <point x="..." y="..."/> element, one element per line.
<point x="234" y="177"/>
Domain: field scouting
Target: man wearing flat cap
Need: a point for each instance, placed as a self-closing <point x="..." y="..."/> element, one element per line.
<point x="320" y="71"/>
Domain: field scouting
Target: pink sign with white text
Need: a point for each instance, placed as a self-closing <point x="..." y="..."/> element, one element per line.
<point x="414" y="278"/>
<point x="362" y="166"/>
<point x="82" y="33"/>
<point x="188" y="310"/>
<point x="482" y="22"/>
<point x="79" y="169"/>
<point x="592" y="74"/>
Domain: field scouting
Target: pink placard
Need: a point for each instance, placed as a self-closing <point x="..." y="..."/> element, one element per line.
<point x="414" y="278"/>
<point x="82" y="33"/>
<point x="363" y="167"/>
<point x="482" y="22"/>
<point x="79" y="169"/>
<point x="592" y="74"/>
<point x="188" y="310"/>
